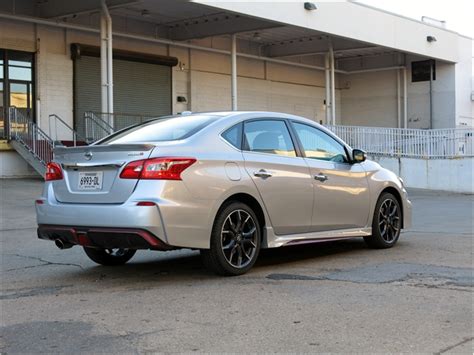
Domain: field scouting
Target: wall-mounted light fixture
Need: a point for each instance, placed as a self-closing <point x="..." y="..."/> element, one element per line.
<point x="181" y="99"/>
<point x="310" y="6"/>
<point x="431" y="38"/>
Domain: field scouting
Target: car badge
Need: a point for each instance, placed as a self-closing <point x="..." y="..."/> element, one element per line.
<point x="88" y="155"/>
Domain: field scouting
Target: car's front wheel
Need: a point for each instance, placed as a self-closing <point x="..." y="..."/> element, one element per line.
<point x="235" y="241"/>
<point x="386" y="223"/>
<point x="110" y="257"/>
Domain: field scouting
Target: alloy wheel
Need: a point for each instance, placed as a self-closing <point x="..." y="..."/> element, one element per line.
<point x="389" y="221"/>
<point x="239" y="238"/>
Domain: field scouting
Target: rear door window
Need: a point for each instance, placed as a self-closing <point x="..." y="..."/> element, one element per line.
<point x="268" y="136"/>
<point x="234" y="136"/>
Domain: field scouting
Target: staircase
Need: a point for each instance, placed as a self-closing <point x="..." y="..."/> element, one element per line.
<point x="36" y="147"/>
<point x="30" y="141"/>
<point x="33" y="144"/>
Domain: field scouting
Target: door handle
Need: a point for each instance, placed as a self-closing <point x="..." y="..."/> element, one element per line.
<point x="320" y="177"/>
<point x="262" y="173"/>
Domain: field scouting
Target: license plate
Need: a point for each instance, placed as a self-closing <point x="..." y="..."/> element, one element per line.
<point x="91" y="180"/>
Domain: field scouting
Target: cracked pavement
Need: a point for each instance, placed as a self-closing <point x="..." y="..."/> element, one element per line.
<point x="331" y="297"/>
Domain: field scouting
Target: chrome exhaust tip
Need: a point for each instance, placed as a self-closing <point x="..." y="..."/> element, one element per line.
<point x="62" y="245"/>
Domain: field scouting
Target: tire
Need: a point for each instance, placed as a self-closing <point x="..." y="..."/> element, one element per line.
<point x="386" y="223"/>
<point x="110" y="257"/>
<point x="234" y="245"/>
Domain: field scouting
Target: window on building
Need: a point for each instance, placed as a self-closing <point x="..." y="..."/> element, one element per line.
<point x="420" y="71"/>
<point x="16" y="85"/>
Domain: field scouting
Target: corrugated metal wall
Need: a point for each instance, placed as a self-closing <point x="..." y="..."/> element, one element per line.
<point x="139" y="89"/>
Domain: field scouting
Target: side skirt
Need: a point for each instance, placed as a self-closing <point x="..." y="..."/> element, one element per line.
<point x="302" y="238"/>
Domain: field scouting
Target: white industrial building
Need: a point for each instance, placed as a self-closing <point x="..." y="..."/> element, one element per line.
<point x="338" y="63"/>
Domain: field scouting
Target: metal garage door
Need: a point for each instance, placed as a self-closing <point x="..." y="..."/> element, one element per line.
<point x="140" y="89"/>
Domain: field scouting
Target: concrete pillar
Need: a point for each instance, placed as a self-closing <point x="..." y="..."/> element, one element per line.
<point x="333" y="85"/>
<point x="328" y="88"/>
<point x="106" y="66"/>
<point x="405" y="99"/>
<point x="233" y="79"/>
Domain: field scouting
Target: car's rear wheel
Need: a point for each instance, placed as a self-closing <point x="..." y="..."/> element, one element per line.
<point x="235" y="241"/>
<point x="110" y="257"/>
<point x="386" y="224"/>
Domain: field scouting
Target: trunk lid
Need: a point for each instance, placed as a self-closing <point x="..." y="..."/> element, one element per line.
<point x="91" y="173"/>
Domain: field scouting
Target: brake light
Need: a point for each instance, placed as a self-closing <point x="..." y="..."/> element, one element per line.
<point x="53" y="172"/>
<point x="167" y="168"/>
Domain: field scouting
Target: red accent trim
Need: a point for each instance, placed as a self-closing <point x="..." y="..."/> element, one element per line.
<point x="314" y="241"/>
<point x="80" y="234"/>
<point x="39" y="202"/>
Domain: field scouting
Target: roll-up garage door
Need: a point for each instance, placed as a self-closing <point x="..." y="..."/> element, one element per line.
<point x="140" y="90"/>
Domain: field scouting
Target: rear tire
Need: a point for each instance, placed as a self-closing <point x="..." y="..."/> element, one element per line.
<point x="110" y="257"/>
<point x="386" y="223"/>
<point x="235" y="241"/>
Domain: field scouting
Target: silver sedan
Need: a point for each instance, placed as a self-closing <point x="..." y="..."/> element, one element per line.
<point x="226" y="183"/>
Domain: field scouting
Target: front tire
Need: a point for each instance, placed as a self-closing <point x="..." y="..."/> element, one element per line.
<point x="386" y="223"/>
<point x="235" y="241"/>
<point x="110" y="257"/>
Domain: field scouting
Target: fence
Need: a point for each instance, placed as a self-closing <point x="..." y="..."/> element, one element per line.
<point x="413" y="143"/>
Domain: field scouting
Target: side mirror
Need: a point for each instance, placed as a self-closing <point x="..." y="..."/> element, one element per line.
<point x="358" y="156"/>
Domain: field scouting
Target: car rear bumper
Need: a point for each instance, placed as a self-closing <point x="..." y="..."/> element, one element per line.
<point x="99" y="237"/>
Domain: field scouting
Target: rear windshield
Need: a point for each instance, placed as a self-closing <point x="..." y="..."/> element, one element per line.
<point x="161" y="130"/>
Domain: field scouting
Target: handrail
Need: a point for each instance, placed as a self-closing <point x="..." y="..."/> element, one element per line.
<point x="96" y="128"/>
<point x="56" y="118"/>
<point x="26" y="132"/>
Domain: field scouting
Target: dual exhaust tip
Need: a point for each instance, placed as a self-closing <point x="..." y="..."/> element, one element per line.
<point x="62" y="245"/>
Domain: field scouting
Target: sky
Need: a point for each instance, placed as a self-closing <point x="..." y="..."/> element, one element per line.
<point x="458" y="14"/>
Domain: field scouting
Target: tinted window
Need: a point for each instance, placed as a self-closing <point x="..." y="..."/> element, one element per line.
<point x="318" y="145"/>
<point x="169" y="129"/>
<point x="268" y="136"/>
<point x="234" y="135"/>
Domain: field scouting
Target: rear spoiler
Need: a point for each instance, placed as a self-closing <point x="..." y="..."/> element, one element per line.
<point x="104" y="148"/>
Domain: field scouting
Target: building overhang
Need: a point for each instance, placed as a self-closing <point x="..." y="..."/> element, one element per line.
<point x="351" y="21"/>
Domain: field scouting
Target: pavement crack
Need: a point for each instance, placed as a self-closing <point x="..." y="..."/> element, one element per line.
<point x="442" y="351"/>
<point x="45" y="262"/>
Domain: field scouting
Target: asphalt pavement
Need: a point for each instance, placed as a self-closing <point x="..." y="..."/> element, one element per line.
<point x="338" y="297"/>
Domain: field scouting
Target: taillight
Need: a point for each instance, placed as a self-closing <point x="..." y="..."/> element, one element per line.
<point x="132" y="170"/>
<point x="168" y="168"/>
<point x="53" y="172"/>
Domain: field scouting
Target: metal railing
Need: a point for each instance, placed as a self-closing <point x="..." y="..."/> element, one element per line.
<point x="119" y="120"/>
<point x="96" y="128"/>
<point x="54" y="121"/>
<point x="407" y="142"/>
<point x="33" y="138"/>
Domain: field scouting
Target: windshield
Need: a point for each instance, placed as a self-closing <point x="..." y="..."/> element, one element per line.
<point x="161" y="130"/>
